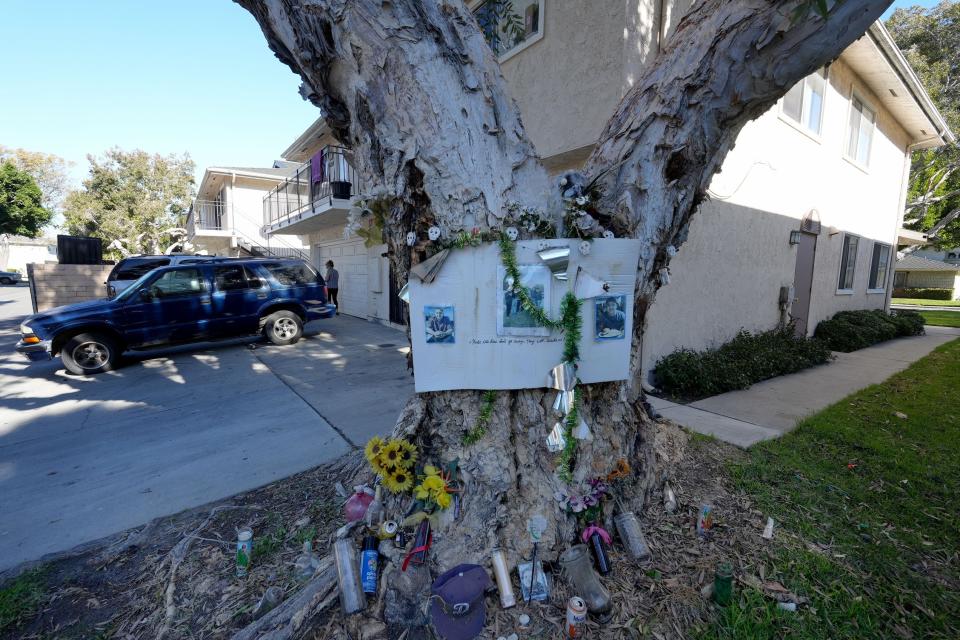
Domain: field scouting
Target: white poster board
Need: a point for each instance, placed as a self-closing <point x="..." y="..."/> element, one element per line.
<point x="454" y="320"/>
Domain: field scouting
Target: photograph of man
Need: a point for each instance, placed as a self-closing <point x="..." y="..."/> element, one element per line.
<point x="439" y="324"/>
<point x="611" y="321"/>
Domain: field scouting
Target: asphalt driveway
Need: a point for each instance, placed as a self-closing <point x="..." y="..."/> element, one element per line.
<point x="84" y="457"/>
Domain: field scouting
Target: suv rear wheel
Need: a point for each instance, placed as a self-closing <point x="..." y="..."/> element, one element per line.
<point x="283" y="327"/>
<point x="88" y="353"/>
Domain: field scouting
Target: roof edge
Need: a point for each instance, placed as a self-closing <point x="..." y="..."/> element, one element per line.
<point x="882" y="38"/>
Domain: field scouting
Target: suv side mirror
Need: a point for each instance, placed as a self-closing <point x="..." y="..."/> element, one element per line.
<point x="146" y="295"/>
<point x="255" y="283"/>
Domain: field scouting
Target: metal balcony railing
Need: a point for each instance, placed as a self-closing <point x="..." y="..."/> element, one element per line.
<point x="327" y="176"/>
<point x="207" y="214"/>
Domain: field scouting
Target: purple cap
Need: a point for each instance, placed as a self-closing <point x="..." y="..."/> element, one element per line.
<point x="457" y="608"/>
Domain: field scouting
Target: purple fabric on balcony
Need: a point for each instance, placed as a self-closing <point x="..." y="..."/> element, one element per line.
<point x="318" y="167"/>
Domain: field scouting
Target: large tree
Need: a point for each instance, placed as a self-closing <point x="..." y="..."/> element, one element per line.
<point x="930" y="39"/>
<point x="49" y="171"/>
<point x="131" y="200"/>
<point x="413" y="88"/>
<point x="21" y="203"/>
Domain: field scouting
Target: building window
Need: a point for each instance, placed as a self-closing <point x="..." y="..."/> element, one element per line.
<point x="848" y="262"/>
<point x="510" y="25"/>
<point x="879" y="265"/>
<point x="862" y="122"/>
<point x="804" y="102"/>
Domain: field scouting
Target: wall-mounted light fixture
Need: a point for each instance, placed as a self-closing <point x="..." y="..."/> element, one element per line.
<point x="795" y="236"/>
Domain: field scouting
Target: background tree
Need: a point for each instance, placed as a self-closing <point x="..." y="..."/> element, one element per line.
<point x="413" y="88"/>
<point x="21" y="203"/>
<point x="49" y="171"/>
<point x="930" y="39"/>
<point x="132" y="199"/>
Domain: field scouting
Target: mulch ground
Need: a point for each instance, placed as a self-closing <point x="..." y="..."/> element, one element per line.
<point x="137" y="586"/>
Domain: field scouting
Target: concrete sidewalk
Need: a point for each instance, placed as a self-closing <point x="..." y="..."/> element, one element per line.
<point x="771" y="408"/>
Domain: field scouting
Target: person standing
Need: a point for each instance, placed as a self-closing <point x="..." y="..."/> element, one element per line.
<point x="333" y="284"/>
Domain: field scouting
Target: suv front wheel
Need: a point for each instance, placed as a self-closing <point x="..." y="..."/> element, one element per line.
<point x="283" y="327"/>
<point x="88" y="353"/>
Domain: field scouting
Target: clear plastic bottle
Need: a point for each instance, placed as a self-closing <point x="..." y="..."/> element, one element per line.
<point x="306" y="563"/>
<point x="578" y="568"/>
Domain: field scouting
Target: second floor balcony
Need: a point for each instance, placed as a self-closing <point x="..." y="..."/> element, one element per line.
<point x="316" y="196"/>
<point x="207" y="217"/>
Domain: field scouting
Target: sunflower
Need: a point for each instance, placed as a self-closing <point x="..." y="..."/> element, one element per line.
<point x="373" y="449"/>
<point x="398" y="481"/>
<point x="408" y="454"/>
<point x="390" y="454"/>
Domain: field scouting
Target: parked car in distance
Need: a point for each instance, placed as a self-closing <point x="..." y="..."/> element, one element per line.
<point x="206" y="300"/>
<point x="10" y="277"/>
<point x="131" y="269"/>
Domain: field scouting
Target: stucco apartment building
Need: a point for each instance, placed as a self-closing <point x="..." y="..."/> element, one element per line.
<point x="226" y="217"/>
<point x="802" y="221"/>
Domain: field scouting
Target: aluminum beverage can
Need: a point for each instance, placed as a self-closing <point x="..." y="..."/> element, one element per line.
<point x="576" y="617"/>
<point x="244" y="548"/>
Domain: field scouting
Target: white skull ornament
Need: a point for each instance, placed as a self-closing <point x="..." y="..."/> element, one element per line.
<point x="585" y="248"/>
<point x="512" y="233"/>
<point x="411" y="239"/>
<point x="608" y="234"/>
<point x="434" y="233"/>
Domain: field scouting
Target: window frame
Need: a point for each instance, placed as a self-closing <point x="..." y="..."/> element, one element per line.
<point x="503" y="56"/>
<point x="872" y="277"/>
<point x="800" y="125"/>
<point x="243" y="271"/>
<point x="844" y="265"/>
<point x="855" y="95"/>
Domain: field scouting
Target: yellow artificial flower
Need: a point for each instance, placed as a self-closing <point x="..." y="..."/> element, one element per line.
<point x="398" y="481"/>
<point x="390" y="454"/>
<point x="443" y="500"/>
<point x="431" y="470"/>
<point x="373" y="448"/>
<point x="408" y="454"/>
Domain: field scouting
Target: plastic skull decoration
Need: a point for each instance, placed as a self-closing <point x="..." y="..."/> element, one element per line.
<point x="585" y="248"/>
<point x="411" y="239"/>
<point x="608" y="234"/>
<point x="543" y="244"/>
<point x="512" y="233"/>
<point x="434" y="233"/>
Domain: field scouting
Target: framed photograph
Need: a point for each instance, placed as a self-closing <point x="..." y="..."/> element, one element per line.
<point x="611" y="319"/>
<point x="439" y="324"/>
<point x="512" y="318"/>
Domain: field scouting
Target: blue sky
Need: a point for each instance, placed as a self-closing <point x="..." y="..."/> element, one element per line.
<point x="166" y="77"/>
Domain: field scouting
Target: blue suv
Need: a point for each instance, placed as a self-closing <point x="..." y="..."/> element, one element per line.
<point x="189" y="303"/>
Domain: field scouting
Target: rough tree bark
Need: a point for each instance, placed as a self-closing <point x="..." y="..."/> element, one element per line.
<point x="412" y="86"/>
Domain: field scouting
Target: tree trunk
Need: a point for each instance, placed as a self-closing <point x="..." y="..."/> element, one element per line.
<point x="412" y="86"/>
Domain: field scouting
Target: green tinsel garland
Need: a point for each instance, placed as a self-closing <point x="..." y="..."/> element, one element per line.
<point x="480" y="428"/>
<point x="570" y="324"/>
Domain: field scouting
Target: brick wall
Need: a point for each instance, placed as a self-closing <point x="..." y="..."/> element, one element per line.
<point x="54" y="285"/>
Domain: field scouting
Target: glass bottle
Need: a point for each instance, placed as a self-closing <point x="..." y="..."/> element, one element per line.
<point x="723" y="584"/>
<point x="352" y="598"/>
<point x="628" y="527"/>
<point x="578" y="568"/>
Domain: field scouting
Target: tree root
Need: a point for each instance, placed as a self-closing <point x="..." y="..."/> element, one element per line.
<point x="290" y="617"/>
<point x="176" y="556"/>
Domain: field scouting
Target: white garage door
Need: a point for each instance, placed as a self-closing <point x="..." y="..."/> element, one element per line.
<point x="350" y="259"/>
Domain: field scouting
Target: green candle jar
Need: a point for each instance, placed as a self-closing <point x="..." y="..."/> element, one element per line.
<point x="723" y="584"/>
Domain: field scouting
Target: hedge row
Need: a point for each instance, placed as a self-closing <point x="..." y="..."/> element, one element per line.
<point x="745" y="360"/>
<point x="851" y="330"/>
<point x="924" y="294"/>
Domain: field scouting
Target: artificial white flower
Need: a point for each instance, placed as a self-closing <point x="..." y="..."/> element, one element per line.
<point x="582" y="200"/>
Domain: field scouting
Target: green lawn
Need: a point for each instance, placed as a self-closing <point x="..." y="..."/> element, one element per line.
<point x="20" y="598"/>
<point x="941" y="318"/>
<point x="926" y="303"/>
<point x="867" y="506"/>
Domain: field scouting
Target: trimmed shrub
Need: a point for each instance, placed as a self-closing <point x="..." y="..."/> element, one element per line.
<point x="745" y="360"/>
<point x="851" y="330"/>
<point x="924" y="294"/>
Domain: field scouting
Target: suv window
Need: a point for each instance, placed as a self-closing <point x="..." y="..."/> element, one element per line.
<point x="292" y="275"/>
<point x="179" y="282"/>
<point x="230" y="278"/>
<point x="134" y="268"/>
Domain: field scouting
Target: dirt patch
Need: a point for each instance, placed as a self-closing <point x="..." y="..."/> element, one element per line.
<point x="122" y="588"/>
